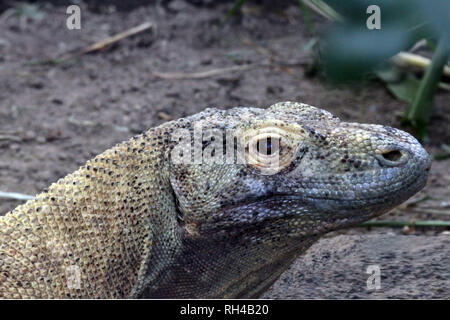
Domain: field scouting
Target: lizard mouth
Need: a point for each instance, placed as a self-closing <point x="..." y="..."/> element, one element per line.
<point x="277" y="205"/>
<point x="369" y="207"/>
<point x="408" y="189"/>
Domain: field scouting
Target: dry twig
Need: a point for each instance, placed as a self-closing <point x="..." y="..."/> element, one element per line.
<point x="15" y="196"/>
<point x="205" y="74"/>
<point x="100" y="45"/>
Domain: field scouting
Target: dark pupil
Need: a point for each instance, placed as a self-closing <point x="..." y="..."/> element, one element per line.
<point x="268" y="143"/>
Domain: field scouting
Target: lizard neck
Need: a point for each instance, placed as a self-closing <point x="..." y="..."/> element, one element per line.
<point x="225" y="269"/>
<point x="105" y="231"/>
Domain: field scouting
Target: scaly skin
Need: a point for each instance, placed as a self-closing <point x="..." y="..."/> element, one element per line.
<point x="135" y="222"/>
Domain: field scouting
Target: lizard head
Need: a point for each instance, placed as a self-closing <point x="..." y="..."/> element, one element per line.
<point x="268" y="181"/>
<point x="294" y="170"/>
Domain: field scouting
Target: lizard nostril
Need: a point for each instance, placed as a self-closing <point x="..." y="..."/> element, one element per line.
<point x="393" y="155"/>
<point x="392" y="158"/>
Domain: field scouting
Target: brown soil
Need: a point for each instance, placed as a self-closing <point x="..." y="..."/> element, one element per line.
<point x="55" y="117"/>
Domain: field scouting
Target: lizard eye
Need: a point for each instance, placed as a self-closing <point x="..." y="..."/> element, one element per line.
<point x="264" y="152"/>
<point x="268" y="146"/>
<point x="270" y="149"/>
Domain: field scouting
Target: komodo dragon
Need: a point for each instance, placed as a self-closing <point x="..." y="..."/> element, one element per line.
<point x="143" y="219"/>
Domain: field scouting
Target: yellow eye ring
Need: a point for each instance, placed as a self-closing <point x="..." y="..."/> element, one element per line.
<point x="269" y="148"/>
<point x="264" y="151"/>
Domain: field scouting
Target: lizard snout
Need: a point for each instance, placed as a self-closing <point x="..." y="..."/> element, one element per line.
<point x="408" y="161"/>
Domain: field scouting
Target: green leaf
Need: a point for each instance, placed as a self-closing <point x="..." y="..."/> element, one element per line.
<point x="350" y="52"/>
<point x="406" y="89"/>
<point x="351" y="49"/>
<point x="402" y="86"/>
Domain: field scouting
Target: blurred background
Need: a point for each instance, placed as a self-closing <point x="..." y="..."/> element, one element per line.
<point x="68" y="95"/>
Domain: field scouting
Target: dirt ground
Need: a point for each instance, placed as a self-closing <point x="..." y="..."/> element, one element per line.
<point x="54" y="117"/>
<point x="410" y="267"/>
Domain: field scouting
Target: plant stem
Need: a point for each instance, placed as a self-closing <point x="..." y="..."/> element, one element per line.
<point x="236" y="6"/>
<point x="418" y="114"/>
<point x="306" y="16"/>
